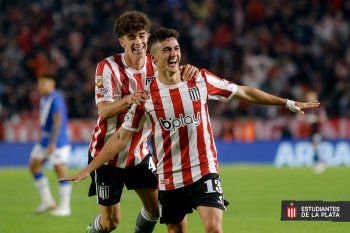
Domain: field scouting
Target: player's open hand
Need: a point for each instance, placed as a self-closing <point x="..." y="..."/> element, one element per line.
<point x="298" y="107"/>
<point x="82" y="175"/>
<point x="188" y="72"/>
<point x="137" y="97"/>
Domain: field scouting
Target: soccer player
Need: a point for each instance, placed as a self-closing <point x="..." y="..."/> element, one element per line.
<point x="54" y="146"/>
<point x="184" y="146"/>
<point x="315" y="118"/>
<point x="120" y="82"/>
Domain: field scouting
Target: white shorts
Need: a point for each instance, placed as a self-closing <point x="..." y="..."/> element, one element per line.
<point x="57" y="157"/>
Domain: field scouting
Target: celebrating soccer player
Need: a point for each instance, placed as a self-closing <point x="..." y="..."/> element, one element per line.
<point x="184" y="146"/>
<point x="120" y="82"/>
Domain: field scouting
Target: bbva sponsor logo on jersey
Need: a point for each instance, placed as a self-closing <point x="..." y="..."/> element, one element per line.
<point x="174" y="124"/>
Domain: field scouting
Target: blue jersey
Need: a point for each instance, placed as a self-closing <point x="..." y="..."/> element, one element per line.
<point x="49" y="105"/>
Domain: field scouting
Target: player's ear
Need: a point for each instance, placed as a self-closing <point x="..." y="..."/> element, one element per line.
<point x="121" y="42"/>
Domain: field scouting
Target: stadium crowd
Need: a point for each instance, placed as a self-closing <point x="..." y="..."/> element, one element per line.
<point x="284" y="47"/>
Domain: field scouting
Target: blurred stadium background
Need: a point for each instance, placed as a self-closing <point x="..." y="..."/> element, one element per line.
<point x="288" y="48"/>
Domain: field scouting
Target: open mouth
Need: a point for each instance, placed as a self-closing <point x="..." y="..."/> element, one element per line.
<point x="172" y="62"/>
<point x="137" y="49"/>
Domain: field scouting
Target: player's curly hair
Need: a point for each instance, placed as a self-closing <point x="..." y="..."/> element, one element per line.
<point x="131" y="22"/>
<point x="162" y="34"/>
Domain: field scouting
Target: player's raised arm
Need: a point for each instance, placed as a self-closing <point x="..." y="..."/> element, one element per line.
<point x="114" y="144"/>
<point x="256" y="96"/>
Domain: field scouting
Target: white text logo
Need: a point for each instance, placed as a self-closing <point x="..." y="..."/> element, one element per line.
<point x="174" y="124"/>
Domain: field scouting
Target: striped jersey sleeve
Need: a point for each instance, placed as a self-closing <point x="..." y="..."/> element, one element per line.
<point x="105" y="84"/>
<point x="218" y="88"/>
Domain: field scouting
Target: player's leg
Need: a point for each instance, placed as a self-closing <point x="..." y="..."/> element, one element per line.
<point x="107" y="220"/>
<point x="64" y="192"/>
<point x="107" y="183"/>
<point x="149" y="214"/>
<point x="37" y="158"/>
<point x="211" y="218"/>
<point x="59" y="159"/>
<point x="207" y="198"/>
<point x="178" y="227"/>
<point x="320" y="165"/>
<point x="143" y="180"/>
<point x="173" y="208"/>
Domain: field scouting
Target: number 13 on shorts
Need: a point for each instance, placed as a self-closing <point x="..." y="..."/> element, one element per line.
<point x="214" y="186"/>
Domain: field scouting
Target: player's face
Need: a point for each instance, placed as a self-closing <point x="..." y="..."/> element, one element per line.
<point x="45" y="86"/>
<point x="135" y="44"/>
<point x="168" y="55"/>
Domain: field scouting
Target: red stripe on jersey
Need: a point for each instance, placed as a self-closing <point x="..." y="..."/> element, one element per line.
<point x="167" y="161"/>
<point x="149" y="67"/>
<point x="155" y="158"/>
<point x="100" y="66"/>
<point x="200" y="134"/>
<point x="123" y="76"/>
<point x="183" y="136"/>
<point x="212" y="143"/>
<point x="130" y="160"/>
<point x="120" y="119"/>
<point x="138" y="78"/>
<point x="98" y="137"/>
<point x="212" y="90"/>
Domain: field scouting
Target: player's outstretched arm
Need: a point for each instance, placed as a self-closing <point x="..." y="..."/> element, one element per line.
<point x="114" y="144"/>
<point x="256" y="96"/>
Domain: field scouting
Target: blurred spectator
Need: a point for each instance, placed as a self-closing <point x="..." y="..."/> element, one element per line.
<point x="287" y="48"/>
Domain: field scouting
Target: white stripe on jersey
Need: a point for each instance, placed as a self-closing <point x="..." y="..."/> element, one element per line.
<point x="118" y="90"/>
<point x="45" y="106"/>
<point x="194" y="160"/>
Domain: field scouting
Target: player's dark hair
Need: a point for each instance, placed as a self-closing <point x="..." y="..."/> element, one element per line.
<point x="162" y="34"/>
<point x="131" y="22"/>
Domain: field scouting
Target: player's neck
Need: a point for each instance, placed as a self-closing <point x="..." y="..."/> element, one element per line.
<point x="168" y="78"/>
<point x="134" y="63"/>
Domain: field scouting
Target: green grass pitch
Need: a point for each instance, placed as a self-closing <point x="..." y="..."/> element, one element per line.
<point x="254" y="193"/>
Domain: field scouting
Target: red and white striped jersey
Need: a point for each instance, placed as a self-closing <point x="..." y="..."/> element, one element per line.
<point x="183" y="139"/>
<point x="114" y="80"/>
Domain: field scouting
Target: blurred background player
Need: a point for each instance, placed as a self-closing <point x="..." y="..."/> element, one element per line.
<point x="120" y="80"/>
<point x="54" y="146"/>
<point x="315" y="117"/>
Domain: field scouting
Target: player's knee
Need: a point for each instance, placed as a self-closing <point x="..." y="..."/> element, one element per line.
<point x="34" y="169"/>
<point x="153" y="210"/>
<point x="213" y="227"/>
<point x="110" y="224"/>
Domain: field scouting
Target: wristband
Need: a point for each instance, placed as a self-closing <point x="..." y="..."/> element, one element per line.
<point x="291" y="106"/>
